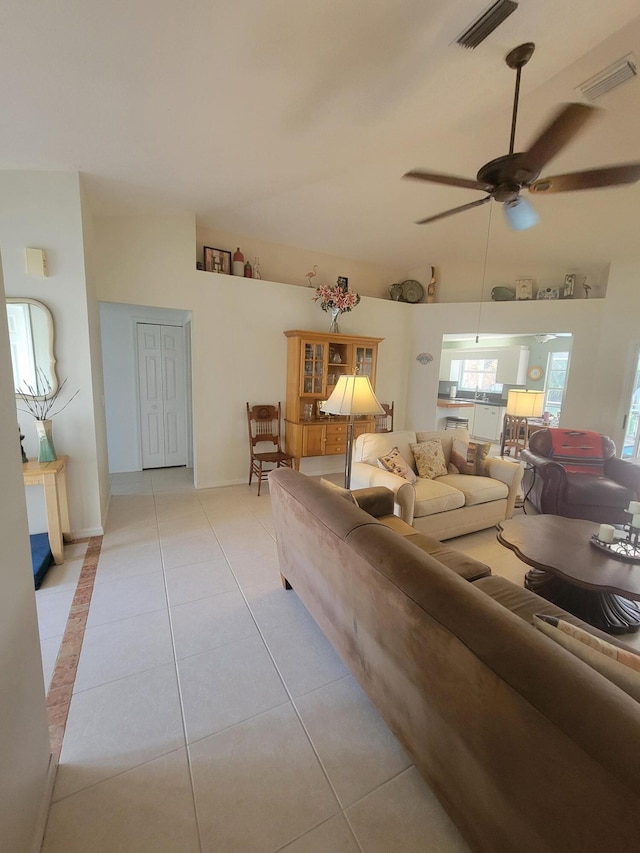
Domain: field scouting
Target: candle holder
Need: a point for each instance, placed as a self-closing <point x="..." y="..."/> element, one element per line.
<point x="626" y="547"/>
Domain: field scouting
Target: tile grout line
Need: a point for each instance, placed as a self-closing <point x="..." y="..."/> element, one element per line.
<point x="64" y="674"/>
<point x="183" y="721"/>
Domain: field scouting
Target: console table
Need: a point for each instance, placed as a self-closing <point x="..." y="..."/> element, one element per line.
<point x="53" y="476"/>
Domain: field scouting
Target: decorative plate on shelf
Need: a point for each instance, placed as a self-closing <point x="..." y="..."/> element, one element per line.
<point x="412" y="290"/>
<point x="536" y="373"/>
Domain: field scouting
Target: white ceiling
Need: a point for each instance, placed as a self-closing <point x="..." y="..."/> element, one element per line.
<point x="294" y="122"/>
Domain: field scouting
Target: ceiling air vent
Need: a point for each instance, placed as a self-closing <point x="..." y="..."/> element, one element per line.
<point x="486" y="23"/>
<point x="612" y="77"/>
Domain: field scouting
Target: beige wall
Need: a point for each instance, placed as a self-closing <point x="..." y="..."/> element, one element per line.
<point x="238" y="346"/>
<point x="43" y="210"/>
<point x="290" y="265"/>
<point x="239" y="351"/>
<point x="26" y="765"/>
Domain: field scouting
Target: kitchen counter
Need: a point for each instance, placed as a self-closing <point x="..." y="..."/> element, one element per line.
<point x="448" y="403"/>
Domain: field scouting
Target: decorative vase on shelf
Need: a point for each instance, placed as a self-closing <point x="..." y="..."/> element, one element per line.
<point x="335" y="316"/>
<point x="46" y="450"/>
<point x="238" y="262"/>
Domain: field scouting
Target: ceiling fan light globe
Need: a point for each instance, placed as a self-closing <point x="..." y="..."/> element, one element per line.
<point x="519" y="214"/>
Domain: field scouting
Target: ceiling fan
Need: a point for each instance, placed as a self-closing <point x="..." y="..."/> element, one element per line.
<point x="504" y="177"/>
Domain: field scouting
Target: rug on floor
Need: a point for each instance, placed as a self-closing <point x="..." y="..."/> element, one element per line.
<point x="41" y="556"/>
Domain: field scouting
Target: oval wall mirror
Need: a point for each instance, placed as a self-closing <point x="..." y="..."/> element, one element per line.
<point x="31" y="342"/>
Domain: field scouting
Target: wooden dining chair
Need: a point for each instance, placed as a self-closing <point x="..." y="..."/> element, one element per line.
<point x="384" y="423"/>
<point x="264" y="431"/>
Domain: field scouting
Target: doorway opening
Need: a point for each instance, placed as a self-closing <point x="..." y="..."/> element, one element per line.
<point x="146" y="355"/>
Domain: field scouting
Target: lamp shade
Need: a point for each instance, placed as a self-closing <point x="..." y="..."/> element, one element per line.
<point x="353" y="395"/>
<point x="525" y="404"/>
<point x="519" y="214"/>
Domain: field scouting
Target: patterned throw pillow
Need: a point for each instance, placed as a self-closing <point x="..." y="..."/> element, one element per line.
<point x="469" y="458"/>
<point x="620" y="666"/>
<point x="395" y="462"/>
<point x="429" y="457"/>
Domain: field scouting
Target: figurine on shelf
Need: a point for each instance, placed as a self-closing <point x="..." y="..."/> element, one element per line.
<point x="256" y="268"/>
<point x="431" y="287"/>
<point x="311" y="274"/>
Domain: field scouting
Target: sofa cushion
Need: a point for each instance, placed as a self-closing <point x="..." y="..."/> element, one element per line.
<point x="434" y="496"/>
<point x="395" y="462"/>
<point x="340" y="490"/>
<point x="592" y="490"/>
<point x="476" y="490"/>
<point x="460" y="563"/>
<point x="429" y="458"/>
<point x="469" y="457"/>
<point x="370" y="446"/>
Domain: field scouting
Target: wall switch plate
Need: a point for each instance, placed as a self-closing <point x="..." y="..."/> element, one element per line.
<point x="36" y="262"/>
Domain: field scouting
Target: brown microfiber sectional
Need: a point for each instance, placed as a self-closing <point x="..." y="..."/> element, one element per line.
<point x="528" y="748"/>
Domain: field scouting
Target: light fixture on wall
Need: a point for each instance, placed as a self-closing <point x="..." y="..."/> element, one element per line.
<point x="544" y="339"/>
<point x="352" y="396"/>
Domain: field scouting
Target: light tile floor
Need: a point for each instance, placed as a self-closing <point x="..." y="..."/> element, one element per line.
<point x="209" y="712"/>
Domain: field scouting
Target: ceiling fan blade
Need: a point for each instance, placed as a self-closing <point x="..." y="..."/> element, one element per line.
<point x="454" y="210"/>
<point x="449" y="180"/>
<point x="567" y="122"/>
<point x="607" y="176"/>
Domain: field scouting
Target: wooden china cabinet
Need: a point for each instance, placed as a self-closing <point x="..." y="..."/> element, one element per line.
<point x="315" y="361"/>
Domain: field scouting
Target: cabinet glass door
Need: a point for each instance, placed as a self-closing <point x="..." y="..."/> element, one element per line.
<point x="364" y="361"/>
<point x="313" y="369"/>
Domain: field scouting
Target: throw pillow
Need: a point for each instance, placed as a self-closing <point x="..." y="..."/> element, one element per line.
<point x="429" y="457"/>
<point x="620" y="666"/>
<point x="469" y="458"/>
<point x="395" y="462"/>
<point x="345" y="493"/>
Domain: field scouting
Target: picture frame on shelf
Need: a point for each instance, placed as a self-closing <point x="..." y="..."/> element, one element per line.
<point x="569" y="286"/>
<point x="524" y="288"/>
<point x="217" y="260"/>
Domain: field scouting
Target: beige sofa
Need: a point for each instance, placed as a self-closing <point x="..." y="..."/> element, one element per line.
<point x="448" y="506"/>
<point x="529" y="749"/>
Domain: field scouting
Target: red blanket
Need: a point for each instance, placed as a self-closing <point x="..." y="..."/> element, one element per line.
<point x="577" y="451"/>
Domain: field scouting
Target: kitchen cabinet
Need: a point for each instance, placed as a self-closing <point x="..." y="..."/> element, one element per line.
<point x="487" y="422"/>
<point x="513" y="363"/>
<point x="315" y="362"/>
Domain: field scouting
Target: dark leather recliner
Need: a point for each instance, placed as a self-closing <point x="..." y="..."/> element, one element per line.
<point x="597" y="497"/>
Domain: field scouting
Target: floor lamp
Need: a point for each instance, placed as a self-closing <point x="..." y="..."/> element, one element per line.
<point x="352" y="396"/>
<point x="521" y="405"/>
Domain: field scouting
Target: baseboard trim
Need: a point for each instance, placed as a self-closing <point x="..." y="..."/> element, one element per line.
<point x="45" y="805"/>
<point x="87" y="532"/>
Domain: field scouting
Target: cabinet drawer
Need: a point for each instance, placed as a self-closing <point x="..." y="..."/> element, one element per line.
<point x="335" y="446"/>
<point x="336" y="431"/>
